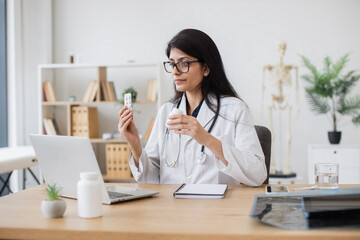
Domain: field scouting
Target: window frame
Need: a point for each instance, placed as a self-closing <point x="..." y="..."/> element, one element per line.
<point x="3" y="77"/>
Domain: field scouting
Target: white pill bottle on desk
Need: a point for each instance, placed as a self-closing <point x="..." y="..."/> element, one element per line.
<point x="89" y="193"/>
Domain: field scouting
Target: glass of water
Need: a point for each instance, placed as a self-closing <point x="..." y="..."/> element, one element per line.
<point x="326" y="175"/>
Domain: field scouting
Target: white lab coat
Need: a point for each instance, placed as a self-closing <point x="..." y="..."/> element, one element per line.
<point x="234" y="128"/>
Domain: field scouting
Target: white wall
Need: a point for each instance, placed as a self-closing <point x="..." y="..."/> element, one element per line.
<point x="28" y="44"/>
<point x="246" y="33"/>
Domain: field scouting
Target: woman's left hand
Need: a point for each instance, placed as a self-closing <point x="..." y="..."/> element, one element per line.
<point x="188" y="125"/>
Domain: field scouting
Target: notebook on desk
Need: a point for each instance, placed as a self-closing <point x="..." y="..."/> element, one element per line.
<point x="62" y="158"/>
<point x="203" y="191"/>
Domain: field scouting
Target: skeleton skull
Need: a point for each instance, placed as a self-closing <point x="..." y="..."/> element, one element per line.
<point x="281" y="47"/>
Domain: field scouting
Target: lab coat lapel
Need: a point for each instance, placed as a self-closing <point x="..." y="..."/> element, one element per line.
<point x="205" y="115"/>
<point x="182" y="106"/>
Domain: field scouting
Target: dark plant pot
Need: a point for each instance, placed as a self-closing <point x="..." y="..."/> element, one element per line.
<point x="334" y="137"/>
<point x="133" y="97"/>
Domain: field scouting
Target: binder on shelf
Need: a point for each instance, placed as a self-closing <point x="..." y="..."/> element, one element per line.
<point x="110" y="155"/>
<point x="84" y="121"/>
<point x="118" y="166"/>
<point x="117" y="161"/>
<point x="109" y="160"/>
<point x="152" y="91"/>
<point x="202" y="191"/>
<point x="125" y="155"/>
<point x="90" y="122"/>
<point x="74" y="121"/>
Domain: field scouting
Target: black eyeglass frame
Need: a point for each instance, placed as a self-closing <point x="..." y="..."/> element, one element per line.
<point x="176" y="65"/>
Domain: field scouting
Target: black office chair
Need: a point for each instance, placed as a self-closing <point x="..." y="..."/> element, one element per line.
<point x="264" y="136"/>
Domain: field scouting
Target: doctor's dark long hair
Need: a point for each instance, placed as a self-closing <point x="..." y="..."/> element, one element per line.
<point x="199" y="45"/>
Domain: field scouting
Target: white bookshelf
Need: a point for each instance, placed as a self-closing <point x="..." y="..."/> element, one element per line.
<point x="72" y="79"/>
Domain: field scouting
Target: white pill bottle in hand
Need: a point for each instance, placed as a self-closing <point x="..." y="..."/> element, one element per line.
<point x="174" y="111"/>
<point x="89" y="194"/>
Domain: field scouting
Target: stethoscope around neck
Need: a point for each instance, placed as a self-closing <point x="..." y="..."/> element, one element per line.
<point x="202" y="157"/>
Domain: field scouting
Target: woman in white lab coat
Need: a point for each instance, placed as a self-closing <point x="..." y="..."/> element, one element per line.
<point x="214" y="141"/>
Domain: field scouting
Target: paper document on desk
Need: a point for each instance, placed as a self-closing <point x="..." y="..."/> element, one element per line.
<point x="290" y="210"/>
<point x="337" y="206"/>
<point x="201" y="191"/>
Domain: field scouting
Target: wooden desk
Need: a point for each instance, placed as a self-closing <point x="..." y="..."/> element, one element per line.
<point x="162" y="217"/>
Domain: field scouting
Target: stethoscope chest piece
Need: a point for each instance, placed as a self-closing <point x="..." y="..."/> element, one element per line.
<point x="202" y="158"/>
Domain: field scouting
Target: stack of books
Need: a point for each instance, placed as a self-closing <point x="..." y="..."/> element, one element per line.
<point x="48" y="92"/>
<point x="152" y="91"/>
<point x="100" y="91"/>
<point x="50" y="126"/>
<point x="84" y="121"/>
<point x="117" y="161"/>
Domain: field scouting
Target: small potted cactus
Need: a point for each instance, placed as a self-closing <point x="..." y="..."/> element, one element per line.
<point x="53" y="207"/>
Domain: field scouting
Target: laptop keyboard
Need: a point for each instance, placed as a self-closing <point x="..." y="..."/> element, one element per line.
<point x="117" y="195"/>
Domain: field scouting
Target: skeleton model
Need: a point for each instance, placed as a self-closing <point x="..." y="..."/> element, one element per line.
<point x="280" y="81"/>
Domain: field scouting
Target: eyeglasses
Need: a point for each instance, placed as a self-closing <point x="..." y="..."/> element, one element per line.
<point x="182" y="67"/>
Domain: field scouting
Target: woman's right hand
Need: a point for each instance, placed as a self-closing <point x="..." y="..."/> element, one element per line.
<point x="128" y="130"/>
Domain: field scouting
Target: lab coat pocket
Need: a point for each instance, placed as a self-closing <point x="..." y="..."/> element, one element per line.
<point x="205" y="172"/>
<point x="227" y="138"/>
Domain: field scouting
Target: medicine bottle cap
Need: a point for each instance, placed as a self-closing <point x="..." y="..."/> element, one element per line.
<point x="89" y="175"/>
<point x="176" y="111"/>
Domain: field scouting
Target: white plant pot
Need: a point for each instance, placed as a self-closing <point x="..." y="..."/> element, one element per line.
<point x="53" y="209"/>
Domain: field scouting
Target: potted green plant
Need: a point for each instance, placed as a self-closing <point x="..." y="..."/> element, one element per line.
<point x="328" y="92"/>
<point x="133" y="94"/>
<point x="53" y="207"/>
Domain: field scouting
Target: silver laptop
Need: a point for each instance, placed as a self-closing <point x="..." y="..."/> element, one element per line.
<point x="62" y="158"/>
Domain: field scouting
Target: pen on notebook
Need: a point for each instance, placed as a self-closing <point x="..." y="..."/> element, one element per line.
<point x="304" y="188"/>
